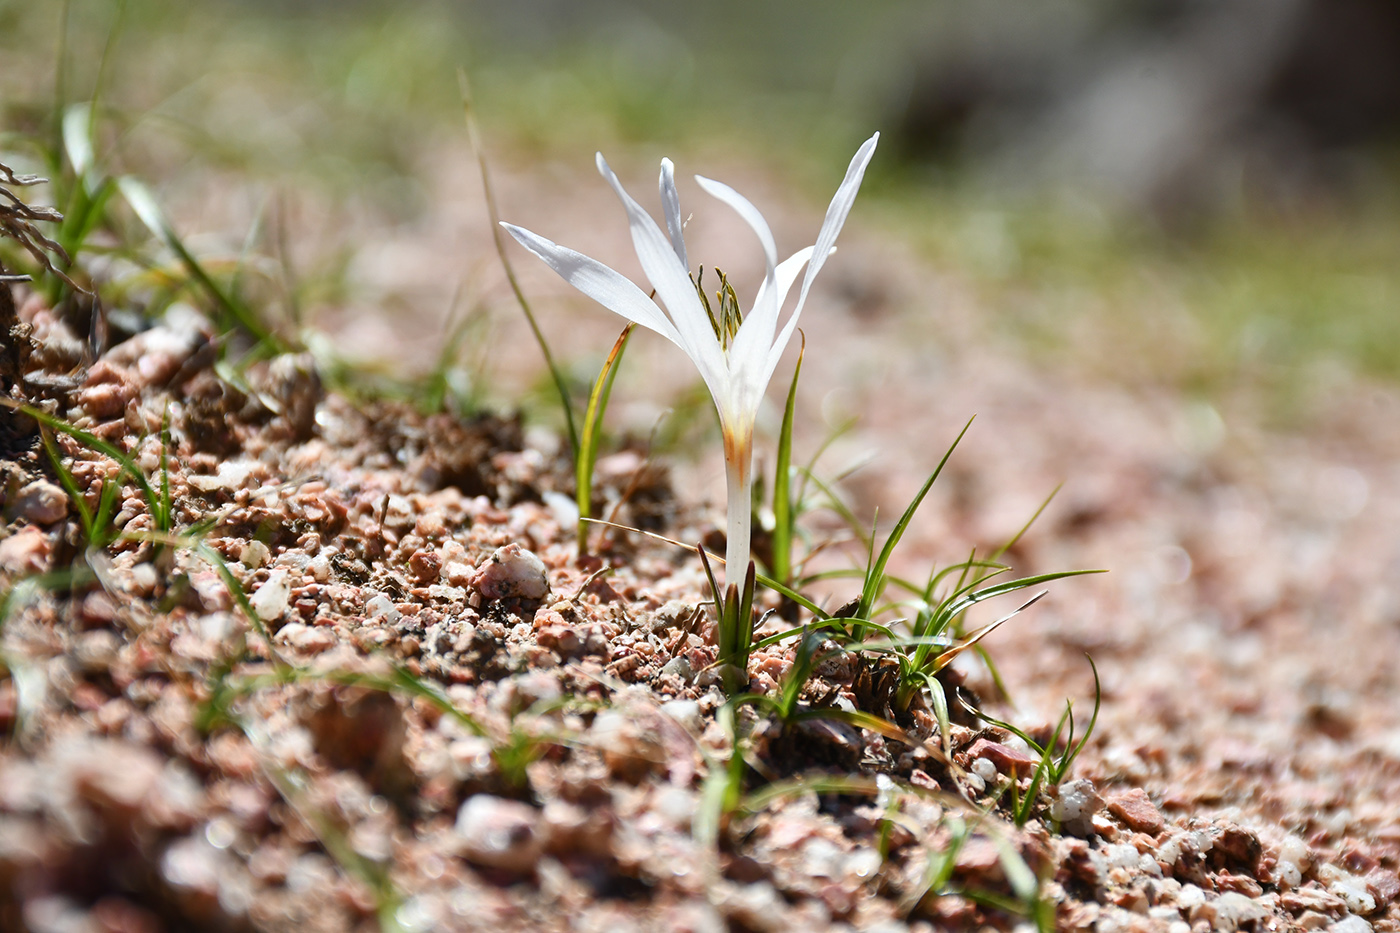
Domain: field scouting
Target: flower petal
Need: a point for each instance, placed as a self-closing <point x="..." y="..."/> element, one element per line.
<point x="745" y="209"/>
<point x="672" y="283"/>
<point x="612" y="290"/>
<point x="826" y="243"/>
<point x="836" y="215"/>
<point x="786" y="275"/>
<point x="671" y="205"/>
<point x="749" y="349"/>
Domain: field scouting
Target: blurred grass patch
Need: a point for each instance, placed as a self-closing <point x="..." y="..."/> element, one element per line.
<point x="347" y="99"/>
<point x="1252" y="299"/>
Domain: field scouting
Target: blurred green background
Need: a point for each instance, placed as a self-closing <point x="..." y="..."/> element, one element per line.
<point x="1204" y="196"/>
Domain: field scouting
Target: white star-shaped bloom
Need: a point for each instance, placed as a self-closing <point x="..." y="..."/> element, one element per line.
<point x="736" y="360"/>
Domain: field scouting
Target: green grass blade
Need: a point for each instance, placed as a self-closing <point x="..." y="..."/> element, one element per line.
<point x="587" y="456"/>
<point x="783" y="589"/>
<point x="874" y="579"/>
<point x="761" y="799"/>
<point x="166" y="505"/>
<point x="1062" y="768"/>
<point x="92" y="441"/>
<point x="148" y="210"/>
<point x="837" y="505"/>
<point x="70" y="486"/>
<point x="1011" y="586"/>
<point x="498" y="238"/>
<point x="784" y="516"/>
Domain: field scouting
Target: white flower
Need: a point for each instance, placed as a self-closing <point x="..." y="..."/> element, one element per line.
<point x="738" y="365"/>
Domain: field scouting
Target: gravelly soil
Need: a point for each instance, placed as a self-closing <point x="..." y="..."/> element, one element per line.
<point x="458" y="724"/>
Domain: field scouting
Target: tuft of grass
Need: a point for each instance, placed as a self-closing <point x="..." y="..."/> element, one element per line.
<point x="1054" y="766"/>
<point x="734" y="624"/>
<point x="157" y="500"/>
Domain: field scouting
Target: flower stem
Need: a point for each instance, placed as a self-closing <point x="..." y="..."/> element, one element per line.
<point x="739" y="478"/>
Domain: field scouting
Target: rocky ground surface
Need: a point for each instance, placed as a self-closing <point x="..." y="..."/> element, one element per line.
<point x="457" y="723"/>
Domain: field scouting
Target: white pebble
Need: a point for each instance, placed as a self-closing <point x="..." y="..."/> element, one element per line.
<point x="254" y="554"/>
<point x="1233" y="910"/>
<point x="379" y="606"/>
<point x="499" y="833"/>
<point x="1353" y="890"/>
<point x="513" y="573"/>
<point x="270" y="601"/>
<point x="685" y="712"/>
<point x="1120" y="856"/>
<point x="1350" y="925"/>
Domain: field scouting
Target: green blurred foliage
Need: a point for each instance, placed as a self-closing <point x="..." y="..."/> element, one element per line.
<point x="345" y="97"/>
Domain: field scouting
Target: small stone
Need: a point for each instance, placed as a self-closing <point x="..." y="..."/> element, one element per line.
<point x="192" y="863"/>
<point x="426" y="565"/>
<point x="629" y="751"/>
<point x="1137" y="811"/>
<point x="512" y="573"/>
<point x="95" y="651"/>
<point x="363" y="730"/>
<point x="675" y="614"/>
<point x="42" y="503"/>
<point x="106" y="399"/>
<point x="980" y="857"/>
<point x="1204" y="913"/>
<point x="380" y="606"/>
<point x="1383" y="883"/>
<point x="1233" y="910"/>
<point x="569" y="828"/>
<point x="26" y="551"/>
<point x="1237" y="846"/>
<point x="1350" y="925"/>
<point x="254" y="554"/>
<point x="685" y="712"/>
<point x="308" y="638"/>
<point x="270" y="601"/>
<point x="231" y="475"/>
<point x="1075" y="807"/>
<point x="114" y="776"/>
<point x="1312" y="920"/>
<point x="985" y="769"/>
<point x="680" y="667"/>
<point x="756" y="906"/>
<point x="1352" y="891"/>
<point x="456" y="573"/>
<point x="1190" y="896"/>
<point x="1007" y="760"/>
<point x="1311" y="897"/>
<point x="142" y="579"/>
<point x="499" y="833"/>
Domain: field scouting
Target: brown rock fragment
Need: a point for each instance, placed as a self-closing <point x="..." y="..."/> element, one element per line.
<point x="426" y="566"/>
<point x="1138" y="812"/>
<point x="1237" y="846"/>
<point x="1007" y="759"/>
<point x="1383" y="884"/>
